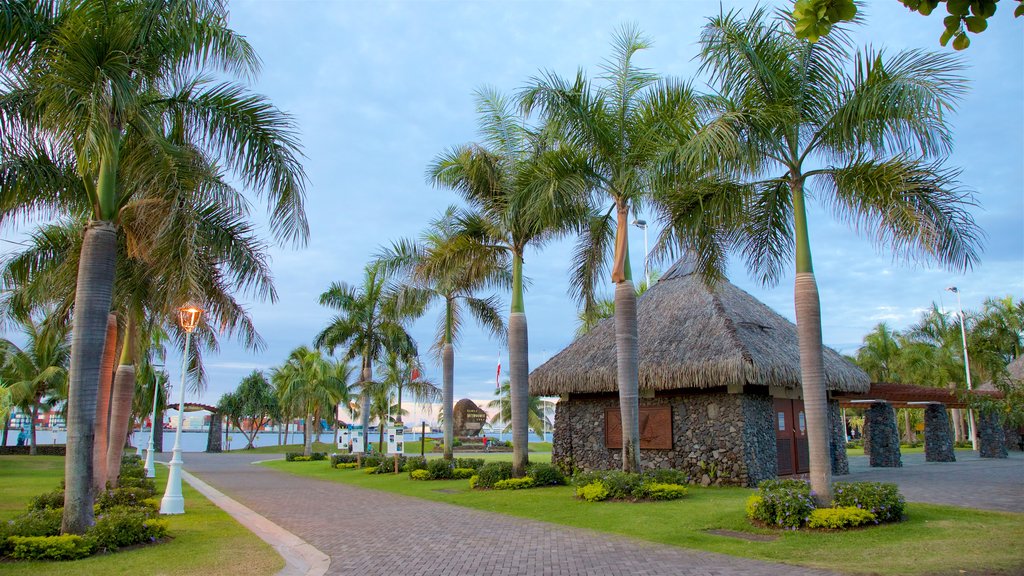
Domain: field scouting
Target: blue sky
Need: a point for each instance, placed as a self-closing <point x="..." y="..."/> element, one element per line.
<point x="378" y="89"/>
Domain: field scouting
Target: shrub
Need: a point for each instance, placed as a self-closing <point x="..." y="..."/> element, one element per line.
<point x="514" y="483"/>
<point x="301" y="459"/>
<point x="387" y="465"/>
<point x="317" y="456"/>
<point x="593" y="492"/>
<point x="291" y="456"/>
<point x="492" y="473"/>
<point x="666" y="476"/>
<point x="786" y="503"/>
<point x="343" y="459"/>
<point x="659" y="491"/>
<point x="132" y="497"/>
<point x="755" y="508"/>
<point x="121" y="526"/>
<point x="463" y="473"/>
<point x="347" y="465"/>
<point x="440" y="469"/>
<point x="474" y="463"/>
<point x="33" y="523"/>
<point x="420" y="474"/>
<point x="156" y="528"/>
<point x="371" y="461"/>
<point x="473" y="480"/>
<point x="881" y="499"/>
<point x="545" y="475"/>
<point x="69" y="547"/>
<point x="623" y="485"/>
<point x="48" y="500"/>
<point x="131" y="467"/>
<point x="412" y="464"/>
<point x="153" y="504"/>
<point x="132" y="482"/>
<point x="838" y="518"/>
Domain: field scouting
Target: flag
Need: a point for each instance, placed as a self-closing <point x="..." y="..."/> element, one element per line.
<point x="497" y="376"/>
<point x="415" y="374"/>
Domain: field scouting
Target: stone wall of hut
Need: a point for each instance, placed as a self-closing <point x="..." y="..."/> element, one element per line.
<point x="718" y="438"/>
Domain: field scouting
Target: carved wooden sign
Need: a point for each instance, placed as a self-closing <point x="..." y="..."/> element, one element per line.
<point x="468" y="419"/>
<point x="655" y="428"/>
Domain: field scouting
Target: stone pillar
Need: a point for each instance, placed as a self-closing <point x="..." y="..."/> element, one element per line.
<point x="213" y="437"/>
<point x="865" y="435"/>
<point x="938" y="438"/>
<point x="1013" y="438"/>
<point x="885" y="436"/>
<point x="991" y="438"/>
<point x="837" y="444"/>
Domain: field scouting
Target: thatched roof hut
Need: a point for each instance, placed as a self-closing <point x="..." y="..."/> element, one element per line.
<point x="693" y="337"/>
<point x="1016" y="369"/>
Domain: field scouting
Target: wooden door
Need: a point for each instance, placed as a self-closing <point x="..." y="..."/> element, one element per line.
<point x="791" y="437"/>
<point x="803" y="454"/>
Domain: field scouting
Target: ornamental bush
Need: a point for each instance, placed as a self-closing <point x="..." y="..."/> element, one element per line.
<point x="545" y="475"/>
<point x="463" y="473"/>
<point x="68" y="547"/>
<point x="132" y="497"/>
<point x="473" y="481"/>
<point x="593" y="492"/>
<point x="666" y="476"/>
<point x="387" y="465"/>
<point x="881" y="499"/>
<point x="371" y="462"/>
<point x="420" y="474"/>
<point x="440" y="469"/>
<point x="33" y="523"/>
<point x="839" y="518"/>
<point x="412" y="464"/>
<point x="347" y="465"/>
<point x="300" y="457"/>
<point x="343" y="459"/>
<point x="786" y="503"/>
<point x="514" y="483"/>
<point x="492" y="473"/>
<point x="474" y="463"/>
<point x="143" y="483"/>
<point x="659" y="491"/>
<point x="123" y="526"/>
<point x="48" y="500"/>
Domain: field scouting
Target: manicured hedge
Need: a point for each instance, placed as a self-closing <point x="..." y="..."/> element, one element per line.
<point x="790" y="504"/>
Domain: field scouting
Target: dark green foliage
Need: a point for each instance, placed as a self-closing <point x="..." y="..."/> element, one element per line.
<point x="132" y="468"/>
<point x="299" y="457"/>
<point x="785" y="503"/>
<point x="371" y="462"/>
<point x="474" y="463"/>
<point x="881" y="499"/>
<point x="545" y="475"/>
<point x="492" y="473"/>
<point x="129" y="497"/>
<point x="33" y="523"/>
<point x="124" y="526"/>
<point x="69" y="547"/>
<point x="140" y="483"/>
<point x="620" y="485"/>
<point x="440" y="469"/>
<point x="666" y="476"/>
<point x="462" y="473"/>
<point x="387" y="465"/>
<point x="343" y="459"/>
<point x="48" y="500"/>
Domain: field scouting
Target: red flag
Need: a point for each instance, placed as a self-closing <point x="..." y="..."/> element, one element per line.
<point x="497" y="377"/>
<point x="415" y="374"/>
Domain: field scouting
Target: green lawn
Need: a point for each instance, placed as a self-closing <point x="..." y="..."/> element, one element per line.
<point x="205" y="539"/>
<point x="934" y="540"/>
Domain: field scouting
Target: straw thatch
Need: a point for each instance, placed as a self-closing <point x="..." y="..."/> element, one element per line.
<point x="1016" y="369"/>
<point x="693" y="337"/>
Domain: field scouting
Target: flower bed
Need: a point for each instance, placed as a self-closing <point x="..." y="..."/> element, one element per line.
<point x="790" y="504"/>
<point x="653" y="485"/>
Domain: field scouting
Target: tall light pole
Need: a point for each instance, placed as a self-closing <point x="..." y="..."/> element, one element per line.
<point x="173" y="502"/>
<point x="967" y="364"/>
<point x="642" y="224"/>
<point x="150" y="465"/>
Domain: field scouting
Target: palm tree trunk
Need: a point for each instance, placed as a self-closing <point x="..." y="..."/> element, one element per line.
<point x="158" y="432"/>
<point x="628" y="372"/>
<point x="958" y="425"/>
<point x="99" y="449"/>
<point x="307" y="438"/>
<point x="92" y="306"/>
<point x="32" y="428"/>
<point x="519" y="371"/>
<point x="121" y="403"/>
<point x="7" y="426"/>
<point x="367" y="376"/>
<point x="448" y="397"/>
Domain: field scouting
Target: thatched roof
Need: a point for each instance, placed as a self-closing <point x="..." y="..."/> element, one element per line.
<point x="692" y="337"/>
<point x="1016" y="369"/>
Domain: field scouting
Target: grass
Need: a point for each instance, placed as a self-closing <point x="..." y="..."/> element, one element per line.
<point x="934" y="540"/>
<point x="205" y="539"/>
<point x="411" y="448"/>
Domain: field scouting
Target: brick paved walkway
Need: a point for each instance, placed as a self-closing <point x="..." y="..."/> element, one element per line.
<point x="353" y="525"/>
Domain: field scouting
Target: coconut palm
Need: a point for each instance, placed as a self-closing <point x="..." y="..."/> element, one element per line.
<point x="87" y="86"/>
<point x="450" y="266"/>
<point x="605" y="307"/>
<point x="371" y="323"/>
<point x="537" y="410"/>
<point x="254" y="401"/>
<point x="404" y="374"/>
<point x="626" y="129"/>
<point x="311" y="385"/>
<point x="879" y="356"/>
<point x="858" y="130"/>
<point x="37" y="372"/>
<point x="518" y="184"/>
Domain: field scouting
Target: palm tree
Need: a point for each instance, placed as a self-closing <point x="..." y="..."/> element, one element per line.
<point x="403" y="374"/>
<point x="605" y="307"/>
<point x="89" y="85"/>
<point x="626" y="130"/>
<point x="371" y="322"/>
<point x="37" y="372"/>
<point x="311" y="385"/>
<point x="858" y="130"/>
<point x="517" y="184"/>
<point x="447" y="265"/>
<point x="879" y="356"/>
<point x="254" y="400"/>
<point x="536" y="410"/>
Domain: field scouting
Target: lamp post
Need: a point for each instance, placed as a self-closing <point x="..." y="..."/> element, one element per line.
<point x="642" y="224"/>
<point x="173" y="502"/>
<point x="150" y="466"/>
<point x="967" y="365"/>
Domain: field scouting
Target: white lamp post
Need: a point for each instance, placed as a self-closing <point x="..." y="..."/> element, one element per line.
<point x="967" y="365"/>
<point x="173" y="502"/>
<point x="150" y="465"/>
<point x="642" y="224"/>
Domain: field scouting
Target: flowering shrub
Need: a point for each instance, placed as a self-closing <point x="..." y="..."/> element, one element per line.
<point x="881" y="499"/>
<point x="628" y="486"/>
<point x="420" y="474"/>
<point x="514" y="483"/>
<point x="839" y="518"/>
<point x="785" y="503"/>
<point x="593" y="492"/>
<point x="490" y="474"/>
<point x="545" y="475"/>
<point x="440" y="469"/>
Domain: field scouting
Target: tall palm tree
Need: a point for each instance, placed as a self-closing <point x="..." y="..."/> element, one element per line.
<point x="370" y="323"/>
<point x="879" y="356"/>
<point x="405" y="374"/>
<point x="517" y="183"/>
<point x="625" y="128"/>
<point x="88" y="84"/>
<point x="312" y="386"/>
<point x="447" y="265"/>
<point x="605" y="307"/>
<point x="858" y="130"/>
<point x="536" y="410"/>
<point x="37" y="372"/>
<point x="254" y="401"/>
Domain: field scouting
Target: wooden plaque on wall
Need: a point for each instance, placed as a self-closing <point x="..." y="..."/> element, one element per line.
<point x="655" y="428"/>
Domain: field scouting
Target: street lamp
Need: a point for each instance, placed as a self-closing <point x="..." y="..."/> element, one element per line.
<point x="642" y="224"/>
<point x="967" y="364"/>
<point x="150" y="465"/>
<point x="173" y="502"/>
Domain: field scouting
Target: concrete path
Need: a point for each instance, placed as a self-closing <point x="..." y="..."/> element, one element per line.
<point x="971" y="481"/>
<point x="354" y="527"/>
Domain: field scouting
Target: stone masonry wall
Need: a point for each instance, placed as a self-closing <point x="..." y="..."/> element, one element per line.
<point x="837" y="439"/>
<point x="938" y="435"/>
<point x="708" y="443"/>
<point x="885" y="437"/>
<point x="991" y="437"/>
<point x="759" y="430"/>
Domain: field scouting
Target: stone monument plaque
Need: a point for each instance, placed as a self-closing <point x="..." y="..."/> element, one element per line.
<point x="655" y="428"/>
<point x="468" y="419"/>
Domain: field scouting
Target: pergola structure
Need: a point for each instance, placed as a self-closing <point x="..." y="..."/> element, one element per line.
<point x="881" y="432"/>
